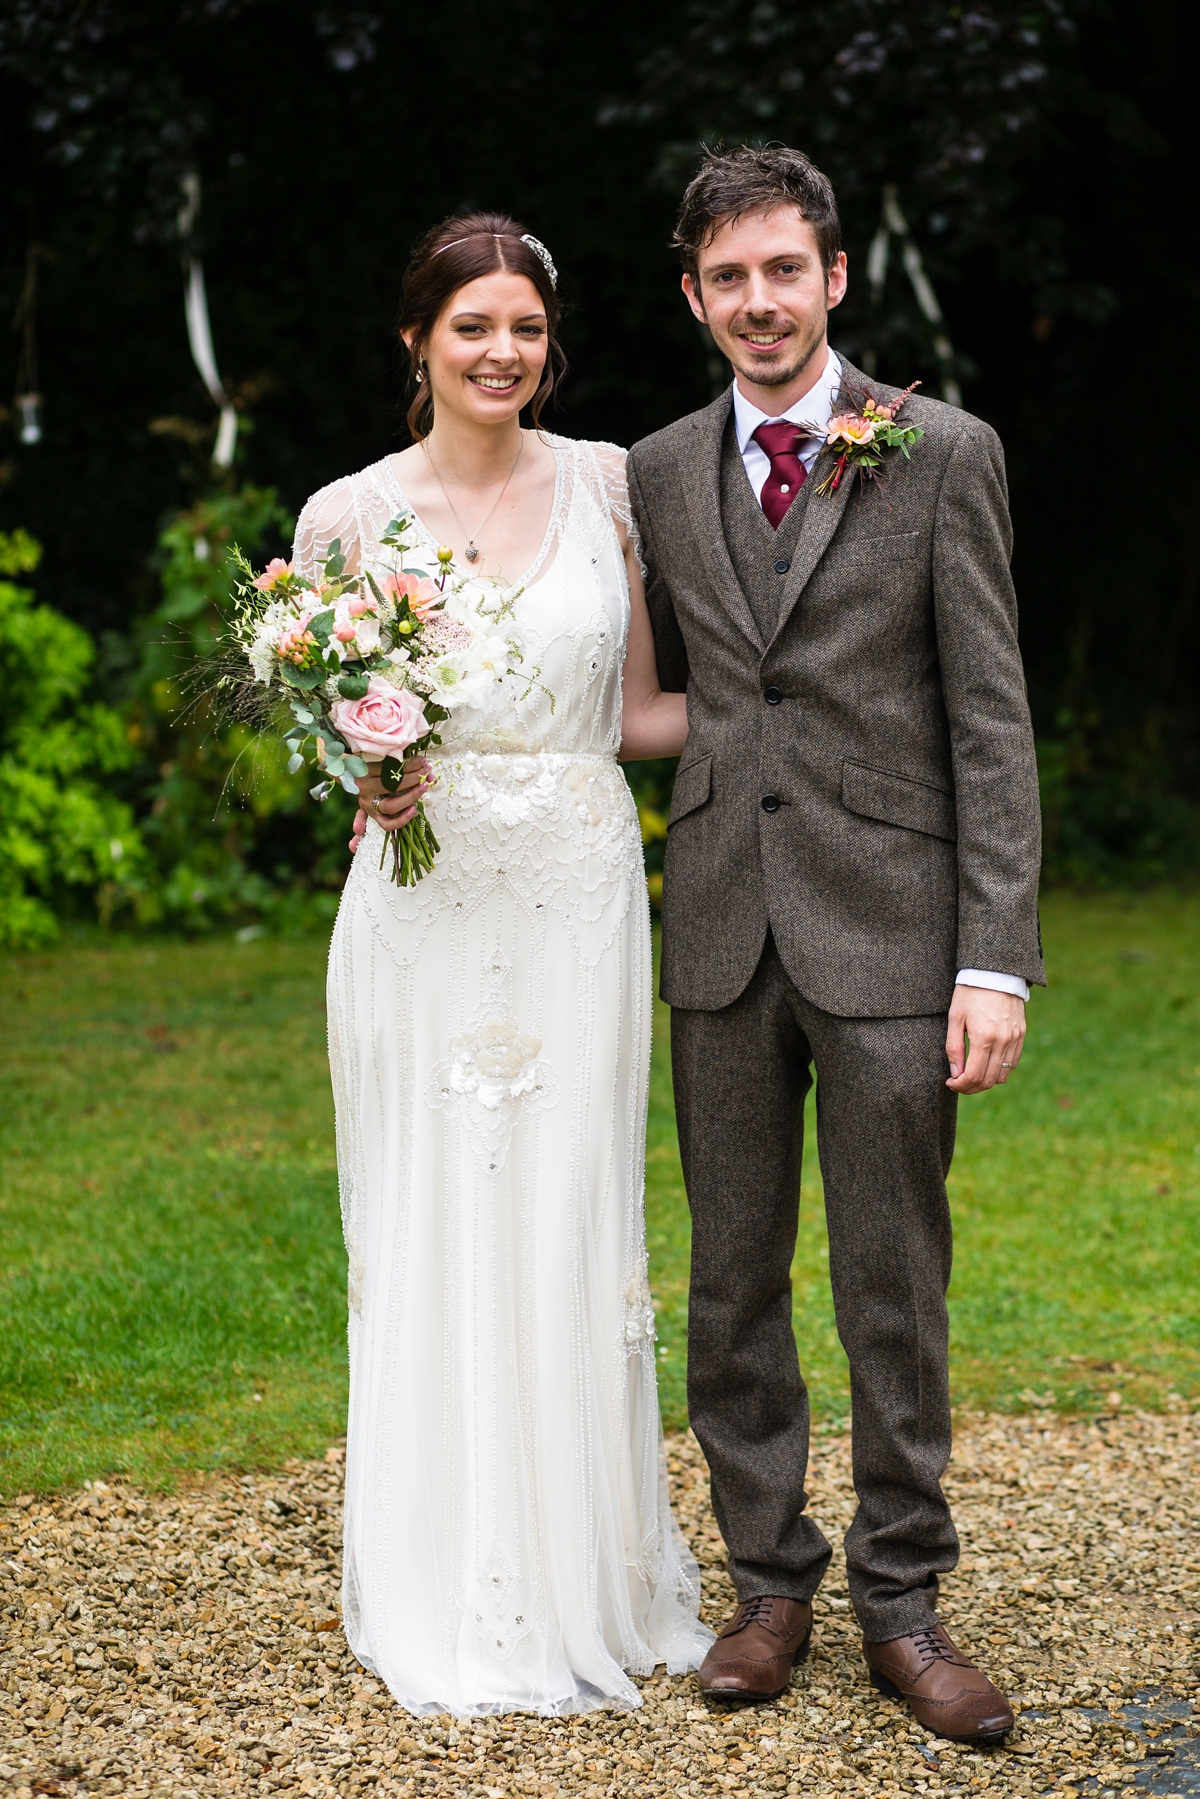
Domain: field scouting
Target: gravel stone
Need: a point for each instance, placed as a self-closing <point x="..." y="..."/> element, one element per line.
<point x="188" y="1643"/>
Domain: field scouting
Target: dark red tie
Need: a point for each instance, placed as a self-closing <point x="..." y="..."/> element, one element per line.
<point x="788" y="474"/>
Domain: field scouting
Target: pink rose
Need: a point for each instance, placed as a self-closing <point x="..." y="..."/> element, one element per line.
<point x="385" y="722"/>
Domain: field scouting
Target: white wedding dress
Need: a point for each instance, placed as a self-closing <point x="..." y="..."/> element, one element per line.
<point x="508" y="1539"/>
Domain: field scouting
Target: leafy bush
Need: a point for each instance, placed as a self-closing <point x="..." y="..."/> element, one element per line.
<point x="232" y="837"/>
<point x="64" y="834"/>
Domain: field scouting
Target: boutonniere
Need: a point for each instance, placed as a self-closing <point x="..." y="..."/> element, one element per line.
<point x="860" y="439"/>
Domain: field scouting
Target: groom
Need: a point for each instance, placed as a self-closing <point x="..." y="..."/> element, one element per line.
<point x="850" y="890"/>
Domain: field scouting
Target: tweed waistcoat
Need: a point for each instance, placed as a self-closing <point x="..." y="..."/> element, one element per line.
<point x="754" y="548"/>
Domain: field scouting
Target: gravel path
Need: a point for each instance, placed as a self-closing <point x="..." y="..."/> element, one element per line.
<point x="188" y="1644"/>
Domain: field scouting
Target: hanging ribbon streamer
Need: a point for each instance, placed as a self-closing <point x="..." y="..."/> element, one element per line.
<point x="195" y="306"/>
<point x="894" y="223"/>
<point x="28" y="400"/>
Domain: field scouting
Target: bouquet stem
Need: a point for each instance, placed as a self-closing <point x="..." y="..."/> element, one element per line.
<point x="413" y="848"/>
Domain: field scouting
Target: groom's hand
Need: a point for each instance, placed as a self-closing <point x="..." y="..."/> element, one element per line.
<point x="993" y="1026"/>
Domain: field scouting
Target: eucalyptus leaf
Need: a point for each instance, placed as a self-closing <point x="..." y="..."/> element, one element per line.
<point x="295" y="764"/>
<point x="353" y="687"/>
<point x="355" y="765"/>
<point x="321" y="624"/>
<point x="349" y="783"/>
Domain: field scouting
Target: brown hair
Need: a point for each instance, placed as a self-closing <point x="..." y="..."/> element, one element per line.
<point x="461" y="249"/>
<point x="731" y="182"/>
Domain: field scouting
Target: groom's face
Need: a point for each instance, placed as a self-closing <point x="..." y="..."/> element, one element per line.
<point x="764" y="291"/>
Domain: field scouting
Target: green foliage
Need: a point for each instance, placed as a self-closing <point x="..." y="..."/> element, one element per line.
<point x="233" y="837"/>
<point x="63" y="833"/>
<point x="1112" y="820"/>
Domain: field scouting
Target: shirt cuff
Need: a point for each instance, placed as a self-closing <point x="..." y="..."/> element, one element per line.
<point x="999" y="983"/>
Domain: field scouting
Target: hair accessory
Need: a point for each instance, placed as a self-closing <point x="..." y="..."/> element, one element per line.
<point x="539" y="249"/>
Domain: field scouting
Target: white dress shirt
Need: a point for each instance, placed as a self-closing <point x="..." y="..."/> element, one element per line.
<point x="816" y="408"/>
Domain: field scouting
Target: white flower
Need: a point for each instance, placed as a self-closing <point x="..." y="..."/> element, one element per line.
<point x="458" y="679"/>
<point x="262" y="653"/>
<point x="367" y="634"/>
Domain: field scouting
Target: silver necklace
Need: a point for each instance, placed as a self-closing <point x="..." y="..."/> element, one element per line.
<point x="472" y="550"/>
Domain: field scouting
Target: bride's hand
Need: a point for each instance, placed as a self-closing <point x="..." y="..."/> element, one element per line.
<point x="391" y="810"/>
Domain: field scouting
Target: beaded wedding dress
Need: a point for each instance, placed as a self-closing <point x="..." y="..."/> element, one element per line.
<point x="508" y="1540"/>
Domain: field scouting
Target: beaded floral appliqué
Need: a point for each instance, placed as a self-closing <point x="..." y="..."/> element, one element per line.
<point x="490" y="1073"/>
<point x="640" y="1326"/>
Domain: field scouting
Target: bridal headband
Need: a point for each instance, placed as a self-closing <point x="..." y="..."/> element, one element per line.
<point x="535" y="244"/>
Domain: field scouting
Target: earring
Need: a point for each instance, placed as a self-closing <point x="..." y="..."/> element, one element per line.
<point x="420" y="371"/>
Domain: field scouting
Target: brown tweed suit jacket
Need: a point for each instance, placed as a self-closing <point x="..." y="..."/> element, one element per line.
<point x="906" y="844"/>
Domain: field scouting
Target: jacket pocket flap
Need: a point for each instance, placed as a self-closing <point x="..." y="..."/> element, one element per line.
<point x="898" y="800"/>
<point x="693" y="784"/>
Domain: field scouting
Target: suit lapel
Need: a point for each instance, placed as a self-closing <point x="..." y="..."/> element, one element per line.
<point x="700" y="468"/>
<point x="824" y="512"/>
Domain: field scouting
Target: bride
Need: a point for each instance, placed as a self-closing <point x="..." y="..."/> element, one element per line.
<point x="508" y="1540"/>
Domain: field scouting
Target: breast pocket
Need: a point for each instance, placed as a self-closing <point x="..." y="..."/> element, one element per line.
<point x="896" y="546"/>
<point x="899" y="800"/>
<point x="693" y="784"/>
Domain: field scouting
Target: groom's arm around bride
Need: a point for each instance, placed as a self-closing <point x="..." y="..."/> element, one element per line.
<point x="850" y="885"/>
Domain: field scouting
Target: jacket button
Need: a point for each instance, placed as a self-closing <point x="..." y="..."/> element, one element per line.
<point x="782" y="566"/>
<point x="771" y="802"/>
<point x="772" y="695"/>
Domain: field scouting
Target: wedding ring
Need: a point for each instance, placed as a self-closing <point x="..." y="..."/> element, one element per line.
<point x="375" y="803"/>
<point x="1006" y="1064"/>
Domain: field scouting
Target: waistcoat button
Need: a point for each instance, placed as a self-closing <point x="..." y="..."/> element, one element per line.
<point x="772" y="695"/>
<point x="782" y="566"/>
<point x="771" y="802"/>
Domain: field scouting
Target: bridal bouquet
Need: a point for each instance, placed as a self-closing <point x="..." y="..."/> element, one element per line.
<point x="368" y="668"/>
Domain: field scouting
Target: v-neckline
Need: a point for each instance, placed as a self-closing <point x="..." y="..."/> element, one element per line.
<point x="535" y="566"/>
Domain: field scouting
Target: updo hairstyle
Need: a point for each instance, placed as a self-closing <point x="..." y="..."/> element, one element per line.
<point x="459" y="250"/>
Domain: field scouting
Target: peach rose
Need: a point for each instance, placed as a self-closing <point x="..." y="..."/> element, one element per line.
<point x="418" y="590"/>
<point x="385" y="722"/>
<point x="273" y="572"/>
<point x="850" y="430"/>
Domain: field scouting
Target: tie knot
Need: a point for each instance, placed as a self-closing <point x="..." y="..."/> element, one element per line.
<point x="783" y="438"/>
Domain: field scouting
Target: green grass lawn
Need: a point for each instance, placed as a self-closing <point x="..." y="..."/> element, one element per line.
<point x="171" y="1271"/>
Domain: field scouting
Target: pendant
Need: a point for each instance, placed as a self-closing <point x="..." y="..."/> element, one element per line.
<point x="472" y="553"/>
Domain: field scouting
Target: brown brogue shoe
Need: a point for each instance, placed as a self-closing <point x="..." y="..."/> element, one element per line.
<point x="752" y="1659"/>
<point x="946" y="1693"/>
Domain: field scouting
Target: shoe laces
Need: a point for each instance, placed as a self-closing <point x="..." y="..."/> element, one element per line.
<point x="756" y="1611"/>
<point x="932" y="1646"/>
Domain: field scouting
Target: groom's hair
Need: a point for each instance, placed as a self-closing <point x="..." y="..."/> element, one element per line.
<point x="729" y="183"/>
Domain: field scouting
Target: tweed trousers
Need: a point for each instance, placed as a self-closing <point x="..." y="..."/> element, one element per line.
<point x="885" y="1132"/>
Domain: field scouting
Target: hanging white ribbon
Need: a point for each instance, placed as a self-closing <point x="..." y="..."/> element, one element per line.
<point x="195" y="306"/>
<point x="894" y="222"/>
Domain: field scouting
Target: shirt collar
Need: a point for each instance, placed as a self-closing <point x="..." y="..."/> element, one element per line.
<point x="814" y="408"/>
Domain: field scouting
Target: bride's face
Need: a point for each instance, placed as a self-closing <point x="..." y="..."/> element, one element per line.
<point x="485" y="355"/>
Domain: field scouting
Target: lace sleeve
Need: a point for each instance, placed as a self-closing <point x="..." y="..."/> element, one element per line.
<point x="328" y="514"/>
<point x="610" y="467"/>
